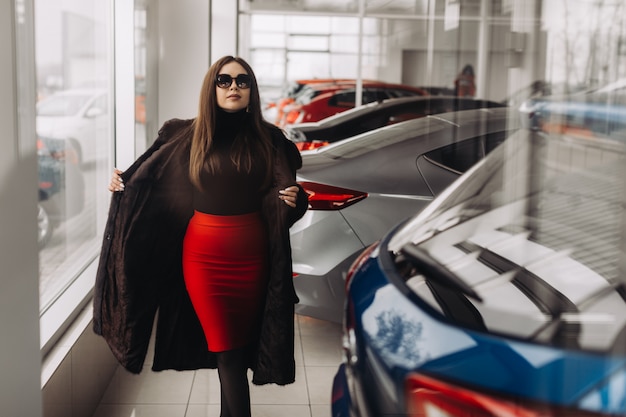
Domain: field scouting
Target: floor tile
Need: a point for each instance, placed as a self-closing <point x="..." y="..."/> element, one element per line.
<point x="197" y="393"/>
<point x="166" y="387"/>
<point x="311" y="327"/>
<point x="319" y="383"/>
<point x="322" y="350"/>
<point x="297" y="350"/>
<point x="281" y="411"/>
<point x="206" y="387"/>
<point x="141" y="410"/>
<point x="320" y="410"/>
<point x="203" y="410"/>
<point x="213" y="410"/>
<point x="295" y="393"/>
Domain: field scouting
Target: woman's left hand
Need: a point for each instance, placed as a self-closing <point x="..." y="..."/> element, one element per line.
<point x="289" y="195"/>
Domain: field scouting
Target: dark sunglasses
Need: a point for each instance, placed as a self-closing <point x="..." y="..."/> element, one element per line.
<point x="224" y="81"/>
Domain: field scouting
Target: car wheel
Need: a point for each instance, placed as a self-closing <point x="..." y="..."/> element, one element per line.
<point x="44" y="226"/>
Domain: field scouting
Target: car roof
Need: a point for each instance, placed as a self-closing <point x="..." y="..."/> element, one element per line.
<point x="405" y="130"/>
<point x="350" y="84"/>
<point x="323" y="94"/>
<point x="385" y="159"/>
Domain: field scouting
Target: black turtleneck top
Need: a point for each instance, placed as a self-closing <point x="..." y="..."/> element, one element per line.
<point x="229" y="191"/>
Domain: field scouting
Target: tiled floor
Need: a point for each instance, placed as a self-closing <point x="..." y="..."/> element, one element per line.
<point x="196" y="393"/>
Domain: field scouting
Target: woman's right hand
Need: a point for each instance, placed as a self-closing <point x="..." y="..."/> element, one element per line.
<point x="117" y="183"/>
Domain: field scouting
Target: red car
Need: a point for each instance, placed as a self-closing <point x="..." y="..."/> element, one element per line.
<point x="294" y="88"/>
<point x="318" y="101"/>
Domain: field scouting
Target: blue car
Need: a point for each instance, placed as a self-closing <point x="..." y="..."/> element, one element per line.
<point x="506" y="296"/>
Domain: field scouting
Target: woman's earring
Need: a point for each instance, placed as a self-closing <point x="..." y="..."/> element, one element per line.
<point x="248" y="108"/>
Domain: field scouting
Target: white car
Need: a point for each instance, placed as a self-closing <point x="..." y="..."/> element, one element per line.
<point x="79" y="115"/>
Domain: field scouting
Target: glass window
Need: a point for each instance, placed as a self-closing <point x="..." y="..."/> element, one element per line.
<point x="312" y="25"/>
<point x="449" y="9"/>
<point x="300" y="5"/>
<point x="289" y="48"/>
<point x="141" y="76"/>
<point x="398" y="6"/>
<point x="271" y="63"/>
<point x="273" y="40"/>
<point x="308" y="43"/>
<point x="74" y="128"/>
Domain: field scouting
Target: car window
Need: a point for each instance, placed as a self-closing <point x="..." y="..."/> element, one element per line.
<point x="414" y="110"/>
<point x="306" y="95"/>
<point x="439" y="106"/>
<point x="461" y="156"/>
<point x="371" y="96"/>
<point x="292" y="89"/>
<point x="343" y="99"/>
<point x="362" y="124"/>
<point x="400" y="93"/>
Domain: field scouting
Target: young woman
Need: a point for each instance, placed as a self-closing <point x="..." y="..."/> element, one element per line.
<point x="198" y="230"/>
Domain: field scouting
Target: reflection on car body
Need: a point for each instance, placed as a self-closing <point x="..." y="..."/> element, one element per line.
<point x="508" y="291"/>
<point x="362" y="186"/>
<point x="371" y="116"/>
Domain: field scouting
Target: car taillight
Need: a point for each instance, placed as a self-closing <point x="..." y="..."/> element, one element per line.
<point x="328" y="197"/>
<point x="42" y="149"/>
<point x="308" y="146"/>
<point x="360" y="260"/>
<point x="429" y="397"/>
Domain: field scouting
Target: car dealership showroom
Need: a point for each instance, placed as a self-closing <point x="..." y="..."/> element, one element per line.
<point x="463" y="252"/>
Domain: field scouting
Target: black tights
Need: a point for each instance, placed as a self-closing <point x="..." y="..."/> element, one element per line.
<point x="234" y="388"/>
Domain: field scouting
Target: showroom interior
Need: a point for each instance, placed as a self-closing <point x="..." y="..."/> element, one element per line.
<point x="143" y="62"/>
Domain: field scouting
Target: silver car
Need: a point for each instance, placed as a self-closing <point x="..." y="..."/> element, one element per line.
<point x="362" y="186"/>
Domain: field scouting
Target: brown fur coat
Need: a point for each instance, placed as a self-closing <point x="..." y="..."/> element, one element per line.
<point x="140" y="271"/>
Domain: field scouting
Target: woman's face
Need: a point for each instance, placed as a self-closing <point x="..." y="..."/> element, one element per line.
<point x="232" y="98"/>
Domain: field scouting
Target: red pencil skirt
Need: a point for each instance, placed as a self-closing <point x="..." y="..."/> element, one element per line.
<point x="225" y="265"/>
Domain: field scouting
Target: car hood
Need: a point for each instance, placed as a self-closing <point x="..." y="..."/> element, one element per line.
<point x="541" y="251"/>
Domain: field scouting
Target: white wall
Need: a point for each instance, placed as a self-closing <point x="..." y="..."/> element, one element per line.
<point x="224" y="29"/>
<point x="183" y="56"/>
<point x="20" y="358"/>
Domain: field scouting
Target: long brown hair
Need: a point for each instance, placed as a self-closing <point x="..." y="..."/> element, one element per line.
<point x="254" y="140"/>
